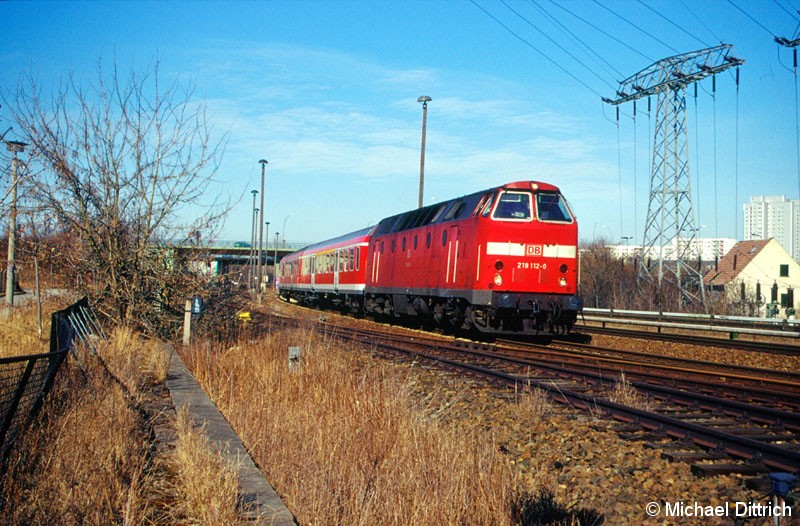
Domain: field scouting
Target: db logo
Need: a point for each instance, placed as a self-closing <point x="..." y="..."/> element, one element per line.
<point x="533" y="250"/>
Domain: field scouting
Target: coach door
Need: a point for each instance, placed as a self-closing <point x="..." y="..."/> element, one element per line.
<point x="336" y="260"/>
<point x="313" y="272"/>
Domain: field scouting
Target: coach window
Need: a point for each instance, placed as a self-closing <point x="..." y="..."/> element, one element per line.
<point x="393" y="245"/>
<point x="428" y="240"/>
<point x="514" y="206"/>
<point x="404" y="244"/>
<point x="358" y="258"/>
<point x="415" y="241"/>
<point x="444" y="238"/>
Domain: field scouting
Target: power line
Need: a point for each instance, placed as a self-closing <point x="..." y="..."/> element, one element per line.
<point x="530" y="45"/>
<point x="700" y="20"/>
<point x="559" y="46"/>
<point x="673" y="23"/>
<point x="604" y="32"/>
<point x="636" y="27"/>
<point x="759" y="24"/>
<point x="577" y="38"/>
<point x="793" y="15"/>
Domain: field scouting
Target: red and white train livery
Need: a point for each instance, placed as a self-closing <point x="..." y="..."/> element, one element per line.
<point x="501" y="260"/>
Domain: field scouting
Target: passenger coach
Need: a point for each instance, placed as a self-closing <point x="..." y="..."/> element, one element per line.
<point x="500" y="260"/>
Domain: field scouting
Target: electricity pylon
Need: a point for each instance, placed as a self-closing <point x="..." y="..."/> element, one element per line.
<point x="669" y="231"/>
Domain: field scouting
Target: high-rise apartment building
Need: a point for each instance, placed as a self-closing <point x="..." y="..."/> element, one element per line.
<point x="774" y="217"/>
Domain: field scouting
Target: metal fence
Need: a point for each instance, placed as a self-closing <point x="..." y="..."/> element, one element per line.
<point x="26" y="380"/>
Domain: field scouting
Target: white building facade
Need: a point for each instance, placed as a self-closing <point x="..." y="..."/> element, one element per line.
<point x="706" y="249"/>
<point x="774" y="217"/>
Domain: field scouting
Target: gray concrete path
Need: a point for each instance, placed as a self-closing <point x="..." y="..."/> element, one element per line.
<point x="260" y="502"/>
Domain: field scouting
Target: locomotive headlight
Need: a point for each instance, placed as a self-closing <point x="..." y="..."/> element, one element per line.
<point x="498" y="265"/>
<point x="498" y="279"/>
<point x="562" y="282"/>
<point x="563" y="268"/>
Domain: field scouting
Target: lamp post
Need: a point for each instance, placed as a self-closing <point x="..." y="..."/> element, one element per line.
<point x="424" y="99"/>
<point x="264" y="163"/>
<point x="252" y="239"/>
<point x="266" y="243"/>
<point x="16" y="148"/>
<point x="284" y="228"/>
<point x="277" y="235"/>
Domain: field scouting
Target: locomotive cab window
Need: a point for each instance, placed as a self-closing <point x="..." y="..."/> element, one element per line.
<point x="551" y="206"/>
<point x="513" y="206"/>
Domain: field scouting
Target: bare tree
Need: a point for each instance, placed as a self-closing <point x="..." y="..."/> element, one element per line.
<point x="123" y="163"/>
<point x="601" y="275"/>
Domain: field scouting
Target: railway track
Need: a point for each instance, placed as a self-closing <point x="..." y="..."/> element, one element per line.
<point x="754" y="334"/>
<point x="737" y="419"/>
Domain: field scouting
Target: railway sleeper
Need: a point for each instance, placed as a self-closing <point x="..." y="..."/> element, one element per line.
<point x="715" y="470"/>
<point x="691" y="456"/>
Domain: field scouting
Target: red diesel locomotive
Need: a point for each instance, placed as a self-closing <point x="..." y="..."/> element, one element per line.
<point x="500" y="260"/>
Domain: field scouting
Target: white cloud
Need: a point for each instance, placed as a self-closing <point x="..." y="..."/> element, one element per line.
<point x="334" y="129"/>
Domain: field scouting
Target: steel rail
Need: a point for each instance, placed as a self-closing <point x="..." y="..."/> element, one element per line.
<point x="735" y="446"/>
<point x="747" y="345"/>
<point x="761" y="385"/>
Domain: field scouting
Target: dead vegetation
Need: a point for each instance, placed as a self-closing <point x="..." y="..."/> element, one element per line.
<point x="626" y="394"/>
<point x="351" y="439"/>
<point x="89" y="457"/>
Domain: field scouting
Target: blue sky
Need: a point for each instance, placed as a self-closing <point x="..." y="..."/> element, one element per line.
<point x="326" y="91"/>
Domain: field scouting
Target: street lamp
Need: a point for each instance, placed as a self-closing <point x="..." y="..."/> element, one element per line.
<point x="16" y="148"/>
<point x="424" y="99"/>
<point x="284" y="228"/>
<point x="277" y="235"/>
<point x="264" y="163"/>
<point x="252" y="239"/>
<point x="266" y="243"/>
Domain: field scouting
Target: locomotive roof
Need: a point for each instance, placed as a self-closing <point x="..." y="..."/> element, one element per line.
<point x="448" y="210"/>
<point x="425" y="215"/>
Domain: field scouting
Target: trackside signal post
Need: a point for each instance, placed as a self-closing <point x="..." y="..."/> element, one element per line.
<point x="192" y="307"/>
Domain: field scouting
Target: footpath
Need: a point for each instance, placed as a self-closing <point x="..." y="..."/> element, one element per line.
<point x="260" y="503"/>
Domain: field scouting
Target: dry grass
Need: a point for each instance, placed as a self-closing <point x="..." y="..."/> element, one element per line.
<point x="20" y="334"/>
<point x="534" y="403"/>
<point x="84" y="460"/>
<point x="206" y="482"/>
<point x="345" y="442"/>
<point x="626" y="394"/>
<point x="87" y="458"/>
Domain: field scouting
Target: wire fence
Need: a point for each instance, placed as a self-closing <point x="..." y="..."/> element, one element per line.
<point x="26" y="380"/>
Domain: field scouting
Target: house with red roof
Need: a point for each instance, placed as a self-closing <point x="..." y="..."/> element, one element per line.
<point x="755" y="274"/>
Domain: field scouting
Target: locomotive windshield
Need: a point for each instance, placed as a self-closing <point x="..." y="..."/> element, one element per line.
<point x="513" y="206"/>
<point x="551" y="206"/>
